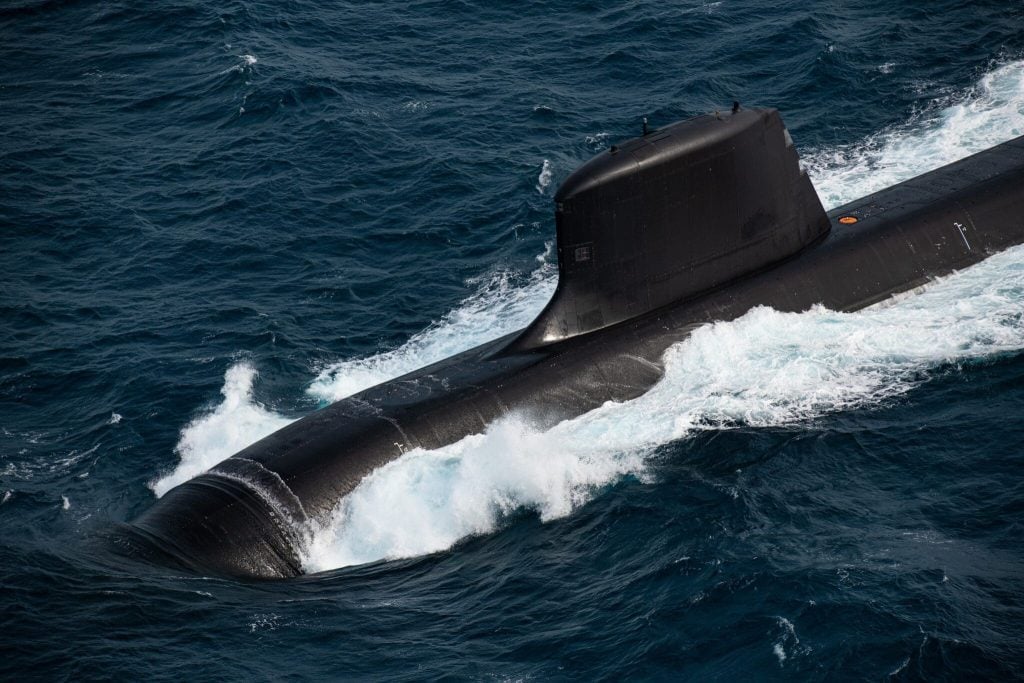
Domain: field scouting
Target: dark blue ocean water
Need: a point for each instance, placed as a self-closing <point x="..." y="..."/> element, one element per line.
<point x="215" y="217"/>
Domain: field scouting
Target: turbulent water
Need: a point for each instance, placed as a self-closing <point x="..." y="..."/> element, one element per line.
<point x="214" y="219"/>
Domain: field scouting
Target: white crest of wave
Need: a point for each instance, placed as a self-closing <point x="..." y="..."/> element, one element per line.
<point x="234" y="424"/>
<point x="246" y="62"/>
<point x="764" y="369"/>
<point x="428" y="500"/>
<point x="544" y="179"/>
<point x="503" y="303"/>
<point x="990" y="113"/>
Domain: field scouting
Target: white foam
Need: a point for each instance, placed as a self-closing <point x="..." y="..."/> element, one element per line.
<point x="246" y="62"/>
<point x="65" y="504"/>
<point x="544" y="179"/>
<point x="788" y="635"/>
<point x="428" y="500"/>
<point x="901" y="667"/>
<point x="114" y="418"/>
<point x="264" y="622"/>
<point x="502" y="303"/>
<point x="764" y="369"/>
<point x="989" y="113"/>
<point x="234" y="424"/>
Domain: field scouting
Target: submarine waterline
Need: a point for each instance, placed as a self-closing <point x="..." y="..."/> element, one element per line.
<point x="630" y="286"/>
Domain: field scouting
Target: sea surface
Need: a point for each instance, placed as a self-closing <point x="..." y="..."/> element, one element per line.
<point x="216" y="217"/>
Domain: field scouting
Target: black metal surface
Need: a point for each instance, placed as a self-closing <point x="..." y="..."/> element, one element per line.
<point x="764" y="235"/>
<point x="689" y="207"/>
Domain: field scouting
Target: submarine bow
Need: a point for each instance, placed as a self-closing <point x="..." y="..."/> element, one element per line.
<point x="696" y="222"/>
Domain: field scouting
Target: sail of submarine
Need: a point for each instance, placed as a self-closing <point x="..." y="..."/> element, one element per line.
<point x="692" y="223"/>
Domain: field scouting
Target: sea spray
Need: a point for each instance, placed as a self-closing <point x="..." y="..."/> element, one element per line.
<point x="220" y="433"/>
<point x="503" y="303"/>
<point x="990" y="113"/>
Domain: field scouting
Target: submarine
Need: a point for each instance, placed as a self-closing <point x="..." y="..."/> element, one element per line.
<point x="695" y="222"/>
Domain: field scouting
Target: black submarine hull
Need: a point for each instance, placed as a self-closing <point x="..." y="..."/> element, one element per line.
<point x="249" y="516"/>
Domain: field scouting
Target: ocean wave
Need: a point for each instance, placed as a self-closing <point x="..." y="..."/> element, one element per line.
<point x="989" y="113"/>
<point x="220" y="433"/>
<point x="544" y="179"/>
<point x="503" y="302"/>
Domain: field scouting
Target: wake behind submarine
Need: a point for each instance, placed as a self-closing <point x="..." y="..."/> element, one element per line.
<point x="695" y="222"/>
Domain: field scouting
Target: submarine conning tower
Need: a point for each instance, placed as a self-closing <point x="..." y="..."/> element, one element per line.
<point x="674" y="213"/>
